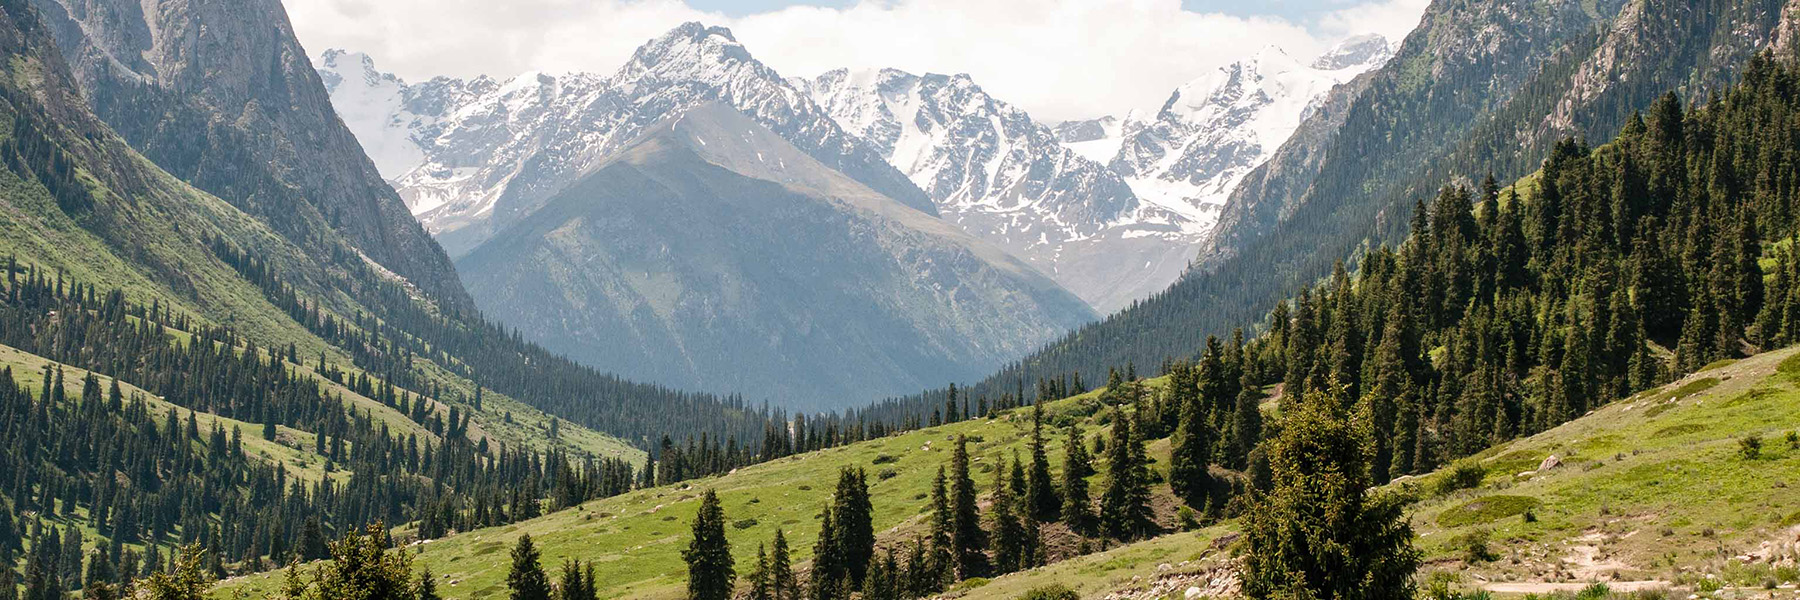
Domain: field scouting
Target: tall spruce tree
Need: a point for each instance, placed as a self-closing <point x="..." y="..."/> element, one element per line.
<point x="1190" y="456"/>
<point x="1041" y="492"/>
<point x="968" y="541"/>
<point x="527" y="580"/>
<point x="782" y="583"/>
<point x="855" y="524"/>
<point x="759" y="577"/>
<point x="1077" y="508"/>
<point x="708" y="555"/>
<point x="1003" y="521"/>
<point x="1125" y="503"/>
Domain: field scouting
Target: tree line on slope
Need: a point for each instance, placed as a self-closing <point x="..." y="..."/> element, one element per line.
<point x="144" y="478"/>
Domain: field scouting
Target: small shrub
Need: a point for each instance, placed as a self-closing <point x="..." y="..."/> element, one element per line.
<point x="744" y="523"/>
<point x="886" y="474"/>
<point x="805" y="488"/>
<point x="1475" y="548"/>
<point x="885" y="459"/>
<point x="1054" y="591"/>
<point x="1530" y="516"/>
<point x="1186" y="519"/>
<point x="1750" y="447"/>
<point x="1461" y="476"/>
<point x="1793" y="440"/>
<point x="1598" y="591"/>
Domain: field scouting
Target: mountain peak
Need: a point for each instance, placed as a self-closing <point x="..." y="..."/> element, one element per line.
<point x="1363" y="51"/>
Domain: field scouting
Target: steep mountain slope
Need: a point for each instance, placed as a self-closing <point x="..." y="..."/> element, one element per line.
<point x="82" y="202"/>
<point x="1471" y="90"/>
<point x="221" y="95"/>
<point x="711" y="253"/>
<point x="493" y="152"/>
<point x="1215" y="129"/>
<point x="116" y="221"/>
<point x="1110" y="210"/>
<point x="1003" y="177"/>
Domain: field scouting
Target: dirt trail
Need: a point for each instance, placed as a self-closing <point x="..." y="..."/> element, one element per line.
<point x="1530" y="587"/>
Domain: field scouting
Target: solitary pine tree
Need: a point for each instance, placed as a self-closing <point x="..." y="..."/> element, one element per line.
<point x="527" y="579"/>
<point x="708" y="555"/>
<point x="1318" y="533"/>
<point x="1246" y="424"/>
<point x="1191" y="456"/>
<point x="829" y="578"/>
<point x="759" y="576"/>
<point x="1009" y="536"/>
<point x="968" y="541"/>
<point x="426" y="587"/>
<point x="1077" y="508"/>
<point x="1040" y="489"/>
<point x="782" y="583"/>
<point x="855" y="525"/>
<point x="1125" y="504"/>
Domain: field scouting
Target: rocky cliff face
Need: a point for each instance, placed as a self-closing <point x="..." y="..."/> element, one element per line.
<point x="713" y="253"/>
<point x="222" y="95"/>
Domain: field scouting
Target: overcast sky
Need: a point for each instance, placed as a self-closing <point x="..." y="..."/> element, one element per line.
<point x="1058" y="59"/>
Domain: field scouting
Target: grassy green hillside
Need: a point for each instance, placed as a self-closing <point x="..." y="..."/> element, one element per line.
<point x="1653" y="492"/>
<point x="290" y="447"/>
<point x="637" y="538"/>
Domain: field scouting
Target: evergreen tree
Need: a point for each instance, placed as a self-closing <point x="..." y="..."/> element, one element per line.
<point x="1040" y="488"/>
<point x="1077" y="509"/>
<point x="1190" y="457"/>
<point x="782" y="583"/>
<point x="829" y="579"/>
<point x="1318" y="533"/>
<point x="361" y="568"/>
<point x="188" y="580"/>
<point x="1125" y="504"/>
<point x="1009" y="535"/>
<point x="576" y="582"/>
<point x="968" y="541"/>
<point x="708" y="555"/>
<point x="855" y="525"/>
<point x="759" y="577"/>
<point x="426" y="587"/>
<point x="527" y="579"/>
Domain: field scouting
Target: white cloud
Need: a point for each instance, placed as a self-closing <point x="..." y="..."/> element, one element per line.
<point x="1056" y="58"/>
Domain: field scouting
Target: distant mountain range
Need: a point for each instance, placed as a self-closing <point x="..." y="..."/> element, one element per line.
<point x="1113" y="213"/>
<point x="755" y="245"/>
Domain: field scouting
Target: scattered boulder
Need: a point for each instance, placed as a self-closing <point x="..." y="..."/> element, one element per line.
<point x="1549" y="463"/>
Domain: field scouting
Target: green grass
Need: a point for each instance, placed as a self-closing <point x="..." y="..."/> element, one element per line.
<point x="1487" y="509"/>
<point x="636" y="538"/>
<point x="1653" y="496"/>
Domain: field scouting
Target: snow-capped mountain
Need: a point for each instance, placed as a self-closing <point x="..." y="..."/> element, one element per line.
<point x="1111" y="208"/>
<point x="1006" y="178"/>
<point x="1214" y="130"/>
<point x="490" y="153"/>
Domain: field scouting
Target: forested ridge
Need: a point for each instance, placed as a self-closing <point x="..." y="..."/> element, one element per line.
<point x="1478" y="88"/>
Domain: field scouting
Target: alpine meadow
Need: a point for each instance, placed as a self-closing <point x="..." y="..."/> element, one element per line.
<point x="797" y="300"/>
